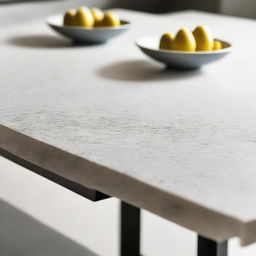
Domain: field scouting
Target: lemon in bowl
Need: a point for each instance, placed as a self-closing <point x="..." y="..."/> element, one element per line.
<point x="187" y="49"/>
<point x="88" y="26"/>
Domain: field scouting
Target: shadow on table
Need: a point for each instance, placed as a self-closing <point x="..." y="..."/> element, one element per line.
<point x="143" y="70"/>
<point x="39" y="41"/>
<point x="21" y="235"/>
<point x="44" y="41"/>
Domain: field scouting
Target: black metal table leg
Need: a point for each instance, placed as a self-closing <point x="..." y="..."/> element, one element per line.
<point x="130" y="230"/>
<point x="208" y="247"/>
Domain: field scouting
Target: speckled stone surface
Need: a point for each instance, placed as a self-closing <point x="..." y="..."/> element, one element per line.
<point x="179" y="144"/>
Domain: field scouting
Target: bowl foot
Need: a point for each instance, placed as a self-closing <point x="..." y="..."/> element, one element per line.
<point x="82" y="43"/>
<point x="182" y="68"/>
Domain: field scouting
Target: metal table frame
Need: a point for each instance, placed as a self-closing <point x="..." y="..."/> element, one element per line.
<point x="130" y="236"/>
<point x="130" y="215"/>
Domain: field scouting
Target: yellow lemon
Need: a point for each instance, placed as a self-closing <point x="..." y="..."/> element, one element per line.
<point x="204" y="39"/>
<point x="84" y="18"/>
<point x="69" y="18"/>
<point x="166" y="41"/>
<point x="184" y="41"/>
<point x="97" y="14"/>
<point x="217" y="45"/>
<point x="110" y="20"/>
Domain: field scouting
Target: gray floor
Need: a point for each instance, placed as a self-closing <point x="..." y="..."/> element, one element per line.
<point x="21" y="235"/>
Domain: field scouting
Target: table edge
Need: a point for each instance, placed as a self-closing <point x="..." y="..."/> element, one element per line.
<point x="57" y="162"/>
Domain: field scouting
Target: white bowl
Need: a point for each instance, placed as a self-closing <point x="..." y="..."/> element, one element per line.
<point x="86" y="35"/>
<point x="181" y="59"/>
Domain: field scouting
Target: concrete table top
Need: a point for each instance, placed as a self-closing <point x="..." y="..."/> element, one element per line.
<point x="179" y="144"/>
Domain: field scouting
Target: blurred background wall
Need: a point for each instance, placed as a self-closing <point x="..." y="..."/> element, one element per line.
<point x="161" y="6"/>
<point x="243" y="8"/>
<point x="21" y="10"/>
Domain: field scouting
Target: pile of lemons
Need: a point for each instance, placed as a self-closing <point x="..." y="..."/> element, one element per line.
<point x="89" y="18"/>
<point x="200" y="39"/>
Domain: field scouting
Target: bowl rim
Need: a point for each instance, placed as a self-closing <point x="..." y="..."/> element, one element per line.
<point x="224" y="50"/>
<point x="51" y="23"/>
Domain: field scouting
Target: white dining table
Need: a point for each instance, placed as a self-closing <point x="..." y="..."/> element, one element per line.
<point x="105" y="120"/>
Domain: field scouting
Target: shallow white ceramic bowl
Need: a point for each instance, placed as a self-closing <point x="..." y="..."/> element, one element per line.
<point x="86" y="35"/>
<point x="181" y="59"/>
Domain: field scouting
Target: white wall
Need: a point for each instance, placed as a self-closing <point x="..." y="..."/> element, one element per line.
<point x="244" y="8"/>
